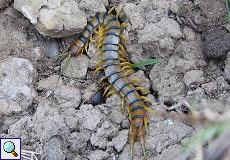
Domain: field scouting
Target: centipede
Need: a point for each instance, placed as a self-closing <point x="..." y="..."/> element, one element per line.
<point x="116" y="69"/>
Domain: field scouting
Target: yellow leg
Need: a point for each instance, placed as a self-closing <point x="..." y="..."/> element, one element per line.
<point x="92" y="40"/>
<point x="142" y="88"/>
<point x="109" y="12"/>
<point x="110" y="93"/>
<point x="129" y="72"/>
<point x="144" y="98"/>
<point x="119" y="12"/>
<point x="98" y="69"/>
<point x="98" y="52"/>
<point x="86" y="46"/>
<point x="128" y="110"/>
<point x="107" y="89"/>
<point x="121" y="47"/>
<point x="132" y="80"/>
<point x="102" y="79"/>
<point x="126" y="67"/>
<point x="146" y="124"/>
<point x="149" y="110"/>
<point x="123" y="25"/>
<point x="98" y="63"/>
<point x="122" y="54"/>
<point x="126" y="64"/>
<point x="122" y="105"/>
<point x="122" y="59"/>
<point x="123" y="38"/>
<point x="99" y="45"/>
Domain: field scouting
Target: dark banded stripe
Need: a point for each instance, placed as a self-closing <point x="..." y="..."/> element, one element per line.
<point x="111" y="19"/>
<point x="135" y="108"/>
<point x="124" y="85"/>
<point x="113" y="27"/>
<point x="113" y="72"/>
<point x="110" y="64"/>
<point x="83" y="39"/>
<point x="130" y="91"/>
<point x="104" y="16"/>
<point x="137" y="116"/>
<point x="89" y="23"/>
<point x="88" y="30"/>
<point x="135" y="100"/>
<point x="116" y="79"/>
<point x="112" y="33"/>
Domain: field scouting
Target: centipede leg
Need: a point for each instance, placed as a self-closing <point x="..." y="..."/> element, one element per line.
<point x="98" y="69"/>
<point x="132" y="135"/>
<point x="123" y="38"/>
<point x="110" y="11"/>
<point x="119" y="12"/>
<point x="138" y="80"/>
<point x="142" y="88"/>
<point x="110" y="93"/>
<point x="123" y="104"/>
<point x="141" y="139"/>
<point x="129" y="72"/>
<point x="98" y="63"/>
<point x="145" y="98"/>
<point x="107" y="89"/>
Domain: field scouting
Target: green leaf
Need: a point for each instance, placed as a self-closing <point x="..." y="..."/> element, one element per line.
<point x="144" y="63"/>
<point x="228" y="11"/>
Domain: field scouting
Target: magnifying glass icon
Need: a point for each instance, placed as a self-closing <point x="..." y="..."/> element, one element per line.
<point x="9" y="147"/>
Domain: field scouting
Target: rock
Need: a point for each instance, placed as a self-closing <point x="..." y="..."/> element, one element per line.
<point x="165" y="28"/>
<point x="48" y="122"/>
<point x="89" y="116"/>
<point x="132" y="11"/>
<point x="54" y="149"/>
<point x="4" y="3"/>
<point x="114" y="101"/>
<point x="100" y="142"/>
<point x="19" y="129"/>
<point x="227" y="67"/>
<point x="68" y="97"/>
<point x="166" y="43"/>
<point x="172" y="152"/>
<point x="117" y="116"/>
<point x="70" y="118"/>
<point x="98" y="155"/>
<point x="167" y="134"/>
<point x="55" y="19"/>
<point x="120" y="140"/>
<point x="78" y="141"/>
<point x="48" y="84"/>
<point x="93" y="59"/>
<point x="168" y="85"/>
<point x="17" y="92"/>
<point x="210" y="88"/>
<point x="89" y="92"/>
<point x="194" y="77"/>
<point x="93" y="6"/>
<point x="216" y="43"/>
<point x="196" y="95"/>
<point x="76" y="67"/>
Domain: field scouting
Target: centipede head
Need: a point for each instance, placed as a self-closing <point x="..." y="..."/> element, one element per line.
<point x="98" y="97"/>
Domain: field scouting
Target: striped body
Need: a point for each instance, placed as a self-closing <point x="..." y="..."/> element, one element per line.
<point x="112" y="67"/>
